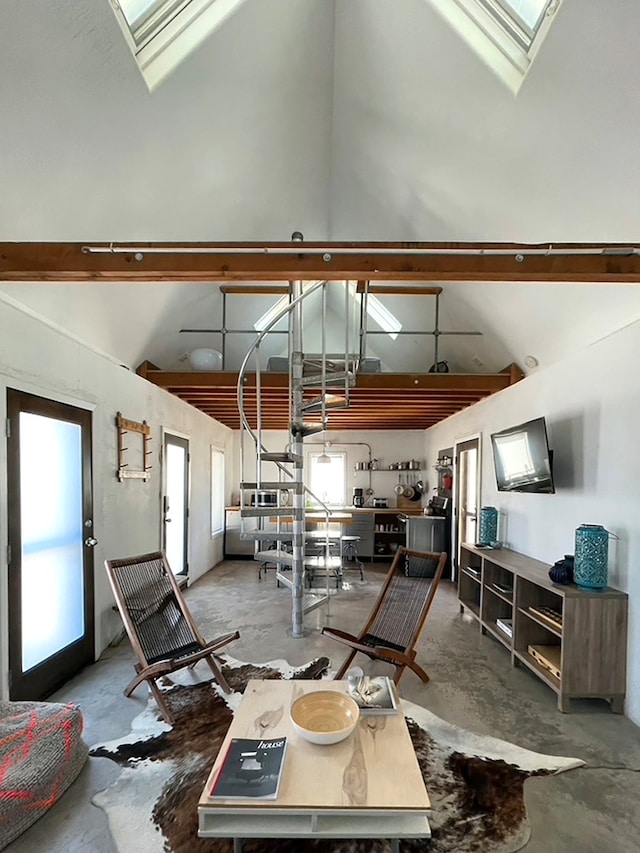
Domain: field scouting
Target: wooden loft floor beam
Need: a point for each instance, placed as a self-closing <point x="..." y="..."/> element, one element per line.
<point x="216" y="262"/>
<point x="377" y="381"/>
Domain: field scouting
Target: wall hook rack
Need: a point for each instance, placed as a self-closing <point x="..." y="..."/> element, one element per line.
<point x="124" y="426"/>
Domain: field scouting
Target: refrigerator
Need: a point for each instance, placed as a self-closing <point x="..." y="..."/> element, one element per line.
<point x="425" y="532"/>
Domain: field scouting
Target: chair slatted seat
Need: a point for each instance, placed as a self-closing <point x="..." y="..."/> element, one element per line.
<point x="159" y="624"/>
<point x="399" y="615"/>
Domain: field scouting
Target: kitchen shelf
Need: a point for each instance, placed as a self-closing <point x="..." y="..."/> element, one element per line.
<point x="387" y="470"/>
<point x="589" y="650"/>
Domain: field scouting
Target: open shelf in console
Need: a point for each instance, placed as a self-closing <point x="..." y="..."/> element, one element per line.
<point x="574" y="640"/>
<point x="497" y="602"/>
<point x="470" y="582"/>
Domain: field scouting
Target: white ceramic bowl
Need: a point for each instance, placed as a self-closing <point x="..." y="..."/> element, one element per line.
<point x="324" y="716"/>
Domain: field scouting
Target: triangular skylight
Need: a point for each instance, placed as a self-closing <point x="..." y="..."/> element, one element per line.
<point x="375" y="310"/>
<point x="506" y="34"/>
<point x="161" y="33"/>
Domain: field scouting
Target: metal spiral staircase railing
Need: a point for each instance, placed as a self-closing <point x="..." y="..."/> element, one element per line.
<point x="319" y="373"/>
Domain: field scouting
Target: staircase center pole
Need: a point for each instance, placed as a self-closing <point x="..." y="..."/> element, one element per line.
<point x="297" y="438"/>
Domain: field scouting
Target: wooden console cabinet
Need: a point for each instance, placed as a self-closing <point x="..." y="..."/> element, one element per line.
<point x="582" y="655"/>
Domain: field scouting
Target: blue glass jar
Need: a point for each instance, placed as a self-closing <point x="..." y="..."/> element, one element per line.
<point x="488" y="525"/>
<point x="590" y="570"/>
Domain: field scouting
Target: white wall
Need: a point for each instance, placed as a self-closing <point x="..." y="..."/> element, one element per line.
<point x="39" y="359"/>
<point x="387" y="447"/>
<point x="233" y="146"/>
<point x="428" y="144"/>
<point x="591" y="402"/>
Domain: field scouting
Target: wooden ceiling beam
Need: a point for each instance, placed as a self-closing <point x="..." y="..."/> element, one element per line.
<point x="254" y="289"/>
<point x="218" y="262"/>
<point x="398" y="290"/>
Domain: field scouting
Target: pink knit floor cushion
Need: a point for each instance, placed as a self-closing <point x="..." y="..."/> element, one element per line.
<point x="41" y="753"/>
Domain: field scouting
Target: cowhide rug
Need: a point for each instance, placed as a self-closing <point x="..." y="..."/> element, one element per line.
<point x="475" y="782"/>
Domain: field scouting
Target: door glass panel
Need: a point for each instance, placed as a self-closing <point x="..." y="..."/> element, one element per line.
<point x="52" y="536"/>
<point x="176" y="464"/>
<point x="470" y="484"/>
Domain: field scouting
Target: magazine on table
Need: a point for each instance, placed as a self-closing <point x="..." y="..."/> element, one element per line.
<point x="251" y="769"/>
<point x="374" y="695"/>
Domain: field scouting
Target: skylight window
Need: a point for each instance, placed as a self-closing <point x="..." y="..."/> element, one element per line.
<point x="262" y="322"/>
<point x="375" y="310"/>
<point x="384" y="318"/>
<point x="161" y="33"/>
<point x="506" y="34"/>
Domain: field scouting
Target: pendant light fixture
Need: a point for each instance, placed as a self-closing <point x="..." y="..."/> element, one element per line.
<point x="324" y="458"/>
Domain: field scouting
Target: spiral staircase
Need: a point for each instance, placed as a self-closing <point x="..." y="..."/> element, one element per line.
<point x="317" y="385"/>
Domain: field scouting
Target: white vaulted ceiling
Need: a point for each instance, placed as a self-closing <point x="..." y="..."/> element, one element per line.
<point x="346" y="120"/>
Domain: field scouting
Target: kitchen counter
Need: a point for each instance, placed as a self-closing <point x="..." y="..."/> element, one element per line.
<point x="380" y="531"/>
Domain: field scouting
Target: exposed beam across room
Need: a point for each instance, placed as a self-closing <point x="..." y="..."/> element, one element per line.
<point x="209" y="262"/>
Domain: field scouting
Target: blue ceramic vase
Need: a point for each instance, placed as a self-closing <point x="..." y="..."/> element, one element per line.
<point x="488" y="525"/>
<point x="590" y="569"/>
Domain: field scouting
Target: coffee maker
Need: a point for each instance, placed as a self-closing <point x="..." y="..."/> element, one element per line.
<point x="358" y="497"/>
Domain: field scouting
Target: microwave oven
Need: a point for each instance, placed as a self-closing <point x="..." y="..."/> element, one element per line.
<point x="265" y="499"/>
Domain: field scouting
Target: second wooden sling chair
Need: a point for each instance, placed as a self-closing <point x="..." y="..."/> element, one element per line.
<point x="159" y="624"/>
<point x="398" y="617"/>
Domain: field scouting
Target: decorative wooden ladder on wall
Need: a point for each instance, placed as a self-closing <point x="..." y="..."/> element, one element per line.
<point x="326" y="376"/>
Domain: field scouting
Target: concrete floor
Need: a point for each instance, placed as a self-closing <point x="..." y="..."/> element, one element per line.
<point x="472" y="684"/>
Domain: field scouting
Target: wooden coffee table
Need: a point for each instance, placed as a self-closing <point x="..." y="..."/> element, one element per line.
<point x="367" y="786"/>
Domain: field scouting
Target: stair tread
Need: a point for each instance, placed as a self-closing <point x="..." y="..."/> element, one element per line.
<point x="307" y="428"/>
<point x="281" y="457"/>
<point x="277" y="555"/>
<point x="315" y="380"/>
<point x="274" y="555"/>
<point x="331" y="401"/>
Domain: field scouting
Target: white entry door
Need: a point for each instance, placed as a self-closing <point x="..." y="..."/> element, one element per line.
<point x="467" y="494"/>
<point x="51" y="541"/>
<point x="175" y="502"/>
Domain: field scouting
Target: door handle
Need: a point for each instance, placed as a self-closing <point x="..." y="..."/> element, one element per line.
<point x="168" y="520"/>
<point x="90" y="542"/>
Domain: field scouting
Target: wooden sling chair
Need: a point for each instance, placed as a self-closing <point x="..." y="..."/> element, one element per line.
<point x="161" y="628"/>
<point x="398" y="617"/>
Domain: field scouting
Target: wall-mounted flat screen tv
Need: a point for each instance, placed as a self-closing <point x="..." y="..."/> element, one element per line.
<point x="522" y="458"/>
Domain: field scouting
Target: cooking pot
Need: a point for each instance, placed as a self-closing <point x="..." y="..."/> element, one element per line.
<point x="414" y="465"/>
<point x="402" y="466"/>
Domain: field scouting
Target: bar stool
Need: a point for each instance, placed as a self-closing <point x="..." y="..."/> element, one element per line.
<point x="349" y="552"/>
